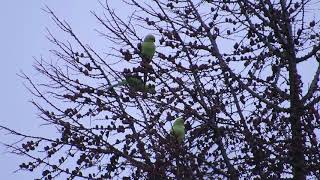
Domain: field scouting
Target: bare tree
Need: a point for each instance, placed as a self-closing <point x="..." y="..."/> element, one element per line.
<point x="228" y="67"/>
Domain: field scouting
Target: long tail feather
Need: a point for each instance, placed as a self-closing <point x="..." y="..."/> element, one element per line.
<point x="118" y="84"/>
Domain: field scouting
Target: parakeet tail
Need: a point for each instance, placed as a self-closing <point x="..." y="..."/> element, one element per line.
<point x="118" y="84"/>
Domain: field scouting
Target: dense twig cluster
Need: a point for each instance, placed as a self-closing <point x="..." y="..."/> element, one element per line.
<point x="229" y="68"/>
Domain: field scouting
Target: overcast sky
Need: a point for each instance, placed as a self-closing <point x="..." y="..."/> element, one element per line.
<point x="22" y="35"/>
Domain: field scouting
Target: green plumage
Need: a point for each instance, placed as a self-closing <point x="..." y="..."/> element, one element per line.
<point x="148" y="49"/>
<point x="136" y="84"/>
<point x="178" y="129"/>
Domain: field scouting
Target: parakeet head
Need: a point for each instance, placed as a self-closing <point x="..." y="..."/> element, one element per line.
<point x="179" y="121"/>
<point x="149" y="38"/>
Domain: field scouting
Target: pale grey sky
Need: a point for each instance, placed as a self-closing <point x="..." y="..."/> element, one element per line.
<point x="22" y="36"/>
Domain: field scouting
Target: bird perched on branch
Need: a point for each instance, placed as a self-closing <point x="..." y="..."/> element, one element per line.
<point x="135" y="83"/>
<point x="178" y="129"/>
<point x="148" y="49"/>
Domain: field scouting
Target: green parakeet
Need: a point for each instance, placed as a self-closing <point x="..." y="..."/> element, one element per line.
<point x="148" y="49"/>
<point x="135" y="83"/>
<point x="178" y="129"/>
<point x="132" y="81"/>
